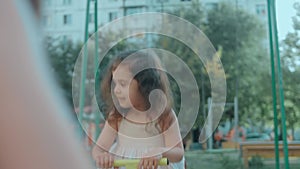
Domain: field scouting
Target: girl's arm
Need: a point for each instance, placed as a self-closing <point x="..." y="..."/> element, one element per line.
<point x="103" y="144"/>
<point x="174" y="148"/>
<point x="105" y="140"/>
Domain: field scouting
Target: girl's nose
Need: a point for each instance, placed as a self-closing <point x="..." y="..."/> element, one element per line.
<point x="117" y="90"/>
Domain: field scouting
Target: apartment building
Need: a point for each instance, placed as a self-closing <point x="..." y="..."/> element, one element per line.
<point x="65" y="19"/>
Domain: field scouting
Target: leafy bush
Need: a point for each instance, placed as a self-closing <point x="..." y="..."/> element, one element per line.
<point x="229" y="163"/>
<point x="256" y="161"/>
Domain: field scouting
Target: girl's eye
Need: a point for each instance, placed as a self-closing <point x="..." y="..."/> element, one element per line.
<point x="122" y="83"/>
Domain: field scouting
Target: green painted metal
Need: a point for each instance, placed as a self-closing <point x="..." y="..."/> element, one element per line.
<point x="96" y="60"/>
<point x="275" y="46"/>
<point x="281" y="94"/>
<point x="85" y="60"/>
<point x="84" y="65"/>
<point x="96" y="34"/>
<point x="273" y="88"/>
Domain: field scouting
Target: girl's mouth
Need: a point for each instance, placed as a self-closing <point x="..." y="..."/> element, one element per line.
<point x="121" y="98"/>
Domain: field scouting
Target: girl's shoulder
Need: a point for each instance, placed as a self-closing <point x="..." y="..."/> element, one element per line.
<point x="114" y="119"/>
<point x="168" y="118"/>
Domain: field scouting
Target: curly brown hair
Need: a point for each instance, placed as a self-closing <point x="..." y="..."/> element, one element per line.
<point x="148" y="80"/>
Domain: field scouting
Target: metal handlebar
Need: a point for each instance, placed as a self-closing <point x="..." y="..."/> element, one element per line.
<point x="133" y="163"/>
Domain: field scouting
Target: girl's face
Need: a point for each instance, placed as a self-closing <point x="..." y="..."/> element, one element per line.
<point x="126" y="91"/>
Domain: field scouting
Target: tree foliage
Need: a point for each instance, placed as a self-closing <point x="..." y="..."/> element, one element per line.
<point x="240" y="37"/>
<point x="63" y="55"/>
<point x="290" y="57"/>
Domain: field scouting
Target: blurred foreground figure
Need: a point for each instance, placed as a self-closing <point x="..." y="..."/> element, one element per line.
<point x="34" y="120"/>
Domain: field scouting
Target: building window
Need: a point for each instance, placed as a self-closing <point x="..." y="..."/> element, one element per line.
<point x="133" y="10"/>
<point x="112" y="16"/>
<point x="261" y="9"/>
<point x="67" y="2"/>
<point x="67" y="19"/>
<point x="211" y="6"/>
<point x="46" y="20"/>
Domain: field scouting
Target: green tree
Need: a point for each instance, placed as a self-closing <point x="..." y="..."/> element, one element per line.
<point x="290" y="55"/>
<point x="244" y="58"/>
<point x="240" y="37"/>
<point x="194" y="14"/>
<point x="62" y="56"/>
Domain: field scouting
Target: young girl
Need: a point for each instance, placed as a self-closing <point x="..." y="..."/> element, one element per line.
<point x="140" y="122"/>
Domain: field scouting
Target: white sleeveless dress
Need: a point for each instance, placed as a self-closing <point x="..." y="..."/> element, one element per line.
<point x="135" y="139"/>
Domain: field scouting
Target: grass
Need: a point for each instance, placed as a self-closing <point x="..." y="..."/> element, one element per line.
<point x="230" y="159"/>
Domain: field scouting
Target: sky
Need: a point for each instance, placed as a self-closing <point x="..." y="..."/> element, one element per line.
<point x="284" y="12"/>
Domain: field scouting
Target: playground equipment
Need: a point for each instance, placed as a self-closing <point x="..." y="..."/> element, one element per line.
<point x="274" y="52"/>
<point x="133" y="163"/>
<point x="210" y="123"/>
<point x="266" y="150"/>
<point x="276" y="70"/>
<point x="95" y="121"/>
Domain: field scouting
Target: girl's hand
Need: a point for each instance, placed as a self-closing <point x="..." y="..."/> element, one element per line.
<point x="104" y="160"/>
<point x="149" y="162"/>
<point x="150" y="159"/>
